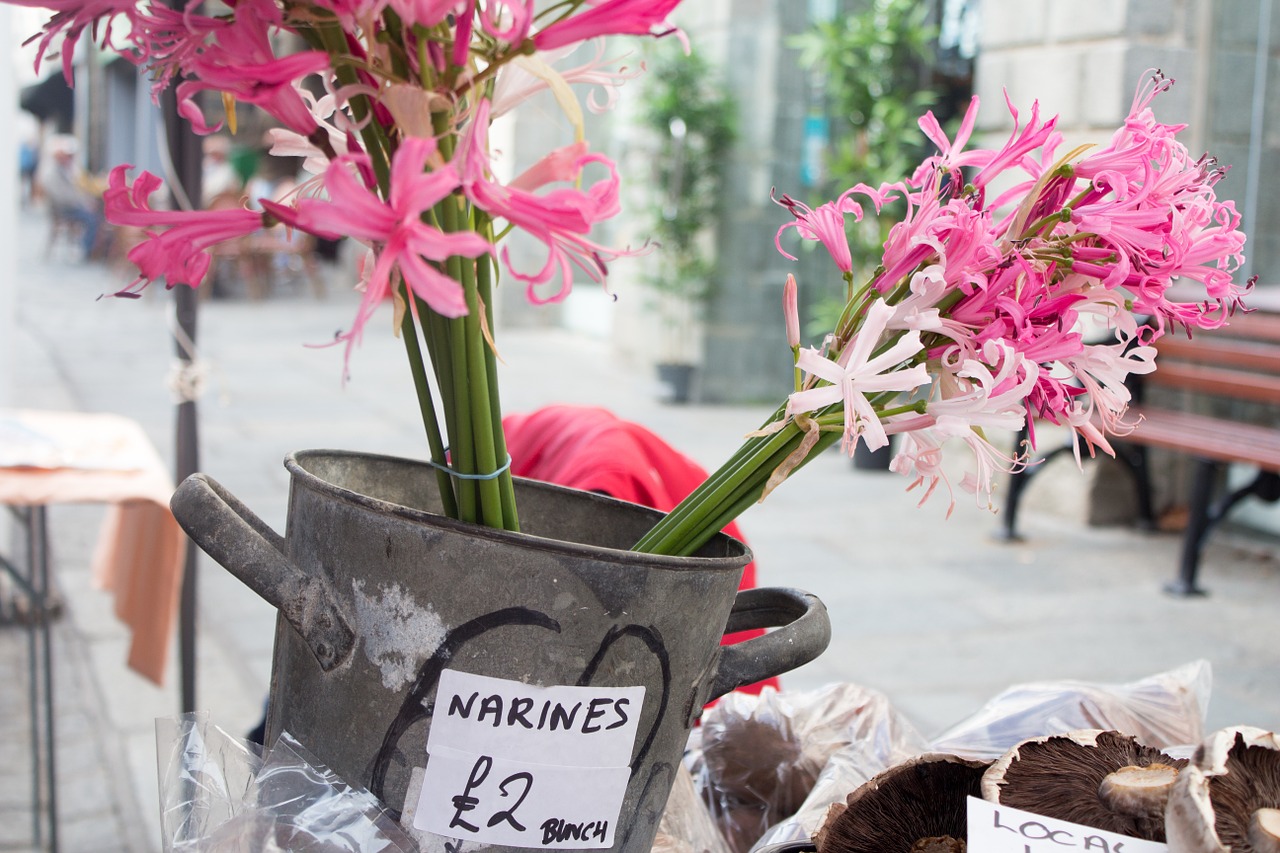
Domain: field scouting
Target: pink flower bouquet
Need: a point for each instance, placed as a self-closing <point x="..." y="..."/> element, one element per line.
<point x="970" y="322"/>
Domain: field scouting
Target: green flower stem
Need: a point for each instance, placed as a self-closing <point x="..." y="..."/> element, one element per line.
<point x="715" y="523"/>
<point x="484" y="289"/>
<point x="689" y="518"/>
<point x="461" y="451"/>
<point x="330" y="37"/>
<point x="714" y="514"/>
<point x="741" y="481"/>
<point x="409" y="331"/>
<point x="478" y="402"/>
<point x="721" y="479"/>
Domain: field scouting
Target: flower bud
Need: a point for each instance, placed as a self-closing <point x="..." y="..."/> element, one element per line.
<point x="791" y="311"/>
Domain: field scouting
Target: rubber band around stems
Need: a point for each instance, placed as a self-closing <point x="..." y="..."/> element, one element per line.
<point x="448" y="469"/>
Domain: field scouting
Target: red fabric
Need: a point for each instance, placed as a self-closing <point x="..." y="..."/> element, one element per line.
<point x="590" y="448"/>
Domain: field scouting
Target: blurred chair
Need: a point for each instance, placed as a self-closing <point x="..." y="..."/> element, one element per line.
<point x="590" y="448"/>
<point x="260" y="261"/>
<point x="64" y="229"/>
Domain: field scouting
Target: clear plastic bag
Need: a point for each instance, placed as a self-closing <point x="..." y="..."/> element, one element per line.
<point x="758" y="758"/>
<point x="219" y="795"/>
<point x="687" y="825"/>
<point x="1166" y="711"/>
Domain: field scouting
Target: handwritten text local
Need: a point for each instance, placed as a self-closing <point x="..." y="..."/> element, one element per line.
<point x="995" y="828"/>
<point x="525" y="766"/>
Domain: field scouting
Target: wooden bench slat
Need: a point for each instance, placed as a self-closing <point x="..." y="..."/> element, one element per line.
<point x="1239" y="362"/>
<point x="1204" y="436"/>
<point x="1251" y="355"/>
<point x="1256" y="324"/>
<point x="1216" y="381"/>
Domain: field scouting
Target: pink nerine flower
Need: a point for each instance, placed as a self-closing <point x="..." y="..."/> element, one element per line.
<point x="401" y="239"/>
<point x="179" y="254"/>
<point x="70" y="18"/>
<point x="242" y="63"/>
<point x="560" y="218"/>
<point x="826" y="225"/>
<point x="990" y="293"/>
<point x="609" y="18"/>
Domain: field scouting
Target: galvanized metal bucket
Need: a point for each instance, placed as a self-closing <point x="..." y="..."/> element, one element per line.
<point x="378" y="596"/>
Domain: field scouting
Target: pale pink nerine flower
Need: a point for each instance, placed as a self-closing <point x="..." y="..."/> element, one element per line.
<point x="560" y="218"/>
<point x="856" y="373"/>
<point x="338" y="126"/>
<point x="525" y="76"/>
<point x="919" y="308"/>
<point x="791" y="310"/>
<point x="179" y="253"/>
<point x="395" y="227"/>
<point x="973" y="400"/>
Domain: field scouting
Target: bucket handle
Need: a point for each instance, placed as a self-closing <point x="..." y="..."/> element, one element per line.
<point x="228" y="531"/>
<point x="804" y="630"/>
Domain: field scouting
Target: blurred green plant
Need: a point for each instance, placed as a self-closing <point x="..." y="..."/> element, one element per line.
<point x="873" y="70"/>
<point x="693" y="119"/>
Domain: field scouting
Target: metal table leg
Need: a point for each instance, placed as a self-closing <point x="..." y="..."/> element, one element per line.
<point x="34" y="584"/>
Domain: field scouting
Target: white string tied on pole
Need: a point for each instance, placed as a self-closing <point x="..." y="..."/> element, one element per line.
<point x="189" y="374"/>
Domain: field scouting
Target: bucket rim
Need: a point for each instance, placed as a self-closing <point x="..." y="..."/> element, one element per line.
<point x="295" y="462"/>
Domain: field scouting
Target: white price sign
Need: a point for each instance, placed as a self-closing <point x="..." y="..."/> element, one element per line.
<point x="994" y="828"/>
<point x="524" y="766"/>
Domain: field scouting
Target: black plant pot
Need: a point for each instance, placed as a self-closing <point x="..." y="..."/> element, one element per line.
<point x="678" y="377"/>
<point x="873" y="460"/>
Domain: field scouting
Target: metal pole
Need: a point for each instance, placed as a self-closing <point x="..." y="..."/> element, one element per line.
<point x="42" y="612"/>
<point x="185" y="156"/>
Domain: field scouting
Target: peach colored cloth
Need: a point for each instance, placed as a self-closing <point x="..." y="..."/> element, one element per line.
<point x="72" y="457"/>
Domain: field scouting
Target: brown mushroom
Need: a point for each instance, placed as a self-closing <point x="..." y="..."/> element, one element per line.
<point x="1101" y="779"/>
<point x="1230" y="798"/>
<point x="753" y="774"/>
<point x="919" y="806"/>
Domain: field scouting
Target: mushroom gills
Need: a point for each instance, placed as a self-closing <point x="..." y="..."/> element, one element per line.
<point x="1138" y="792"/>
<point x="919" y="806"/>
<point x="1081" y="777"/>
<point x="1246" y="797"/>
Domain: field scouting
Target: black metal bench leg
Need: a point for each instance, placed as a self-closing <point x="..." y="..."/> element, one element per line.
<point x="1200" y="520"/>
<point x="1009" y="523"/>
<point x="1134" y="457"/>
<point x="1018" y="483"/>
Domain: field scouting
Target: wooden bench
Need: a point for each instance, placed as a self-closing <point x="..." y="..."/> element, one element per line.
<point x="1215" y="398"/>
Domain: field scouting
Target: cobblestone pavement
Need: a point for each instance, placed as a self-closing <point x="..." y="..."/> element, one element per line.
<point x="931" y="612"/>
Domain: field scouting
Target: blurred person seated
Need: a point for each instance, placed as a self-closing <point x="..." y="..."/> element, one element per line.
<point x="71" y="194"/>
<point x="28" y="161"/>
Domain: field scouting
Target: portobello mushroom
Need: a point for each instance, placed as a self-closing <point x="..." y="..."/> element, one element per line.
<point x="1103" y="779"/>
<point x="918" y="806"/>
<point x="1228" y="798"/>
